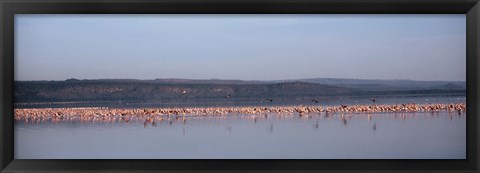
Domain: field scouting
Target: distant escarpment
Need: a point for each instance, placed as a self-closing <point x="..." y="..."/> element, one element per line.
<point x="54" y="91"/>
<point x="166" y="90"/>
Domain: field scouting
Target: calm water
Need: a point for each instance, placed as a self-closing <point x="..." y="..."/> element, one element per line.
<point x="439" y="135"/>
<point x="393" y="99"/>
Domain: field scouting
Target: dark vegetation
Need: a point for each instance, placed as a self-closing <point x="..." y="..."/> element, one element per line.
<point x="165" y="90"/>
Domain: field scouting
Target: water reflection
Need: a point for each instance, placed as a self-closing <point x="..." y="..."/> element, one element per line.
<point x="273" y="118"/>
<point x="229" y="129"/>
<point x="320" y="135"/>
<point x="344" y="119"/>
<point x="270" y="128"/>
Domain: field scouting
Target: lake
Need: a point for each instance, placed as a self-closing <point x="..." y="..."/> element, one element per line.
<point x="419" y="135"/>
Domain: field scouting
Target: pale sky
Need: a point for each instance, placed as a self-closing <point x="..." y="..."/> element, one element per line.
<point x="247" y="47"/>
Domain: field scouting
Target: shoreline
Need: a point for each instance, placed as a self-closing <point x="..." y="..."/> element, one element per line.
<point x="150" y="114"/>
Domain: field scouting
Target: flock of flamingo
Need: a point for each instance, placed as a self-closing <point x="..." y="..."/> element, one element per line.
<point x="151" y="115"/>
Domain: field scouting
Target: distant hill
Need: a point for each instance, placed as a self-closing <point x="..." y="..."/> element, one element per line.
<point x="449" y="86"/>
<point x="217" y="89"/>
<point x="108" y="90"/>
<point x="207" y="81"/>
<point x="385" y="85"/>
<point x="363" y="84"/>
<point x="177" y="81"/>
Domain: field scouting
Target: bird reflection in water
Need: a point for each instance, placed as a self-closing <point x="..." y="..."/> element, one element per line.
<point x="327" y="114"/>
<point x="229" y="129"/>
<point x="270" y="128"/>
<point x="315" y="125"/>
<point x="344" y="119"/>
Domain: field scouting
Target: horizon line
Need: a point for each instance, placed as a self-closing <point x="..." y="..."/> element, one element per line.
<point x="211" y="79"/>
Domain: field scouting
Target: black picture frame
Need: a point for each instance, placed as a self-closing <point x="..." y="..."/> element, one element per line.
<point x="8" y="8"/>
